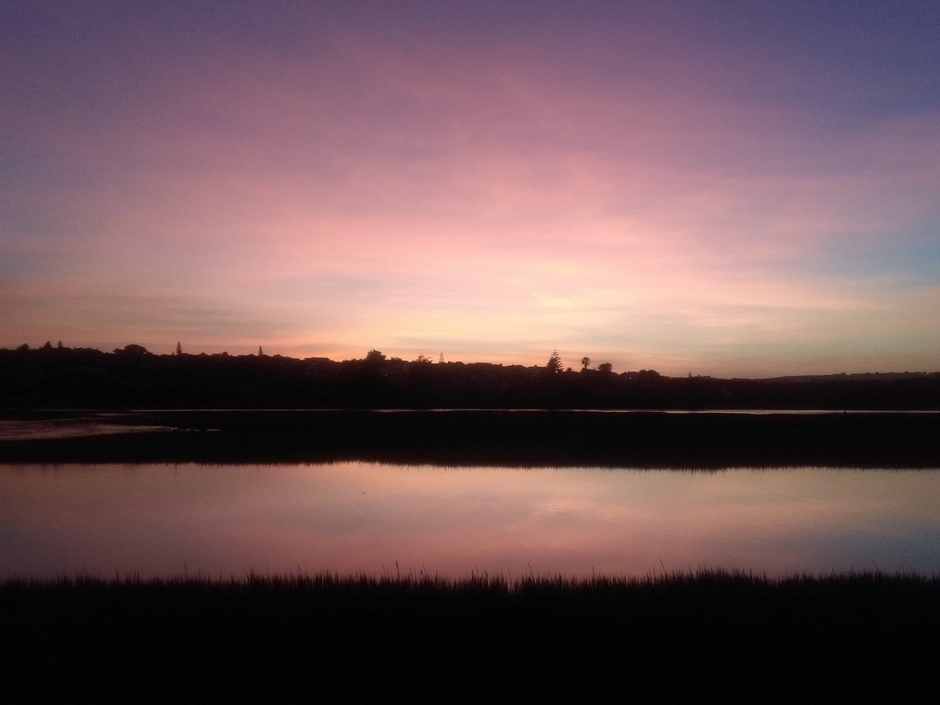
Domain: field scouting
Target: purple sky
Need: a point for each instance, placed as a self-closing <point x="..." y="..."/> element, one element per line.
<point x="731" y="188"/>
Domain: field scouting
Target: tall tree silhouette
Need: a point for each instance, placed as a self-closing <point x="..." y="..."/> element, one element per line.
<point x="554" y="365"/>
<point x="179" y="349"/>
<point x="585" y="362"/>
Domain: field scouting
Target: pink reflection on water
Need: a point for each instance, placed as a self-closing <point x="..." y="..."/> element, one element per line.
<point x="11" y="430"/>
<point x="229" y="520"/>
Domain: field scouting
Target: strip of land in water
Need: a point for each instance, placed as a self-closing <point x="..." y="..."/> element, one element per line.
<point x="357" y="638"/>
<point x="499" y="438"/>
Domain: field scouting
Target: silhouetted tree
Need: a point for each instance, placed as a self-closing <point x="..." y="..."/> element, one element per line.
<point x="23" y="348"/>
<point x="179" y="349"/>
<point x="421" y="359"/>
<point x="374" y="357"/>
<point x="261" y="352"/>
<point x="131" y="350"/>
<point x="605" y="367"/>
<point x="585" y="362"/>
<point x="59" y="346"/>
<point x="554" y="365"/>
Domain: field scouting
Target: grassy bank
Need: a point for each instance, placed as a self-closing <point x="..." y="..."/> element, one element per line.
<point x="356" y="638"/>
<point x="521" y="438"/>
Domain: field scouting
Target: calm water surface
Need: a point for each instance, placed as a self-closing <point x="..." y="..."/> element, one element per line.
<point x="164" y="519"/>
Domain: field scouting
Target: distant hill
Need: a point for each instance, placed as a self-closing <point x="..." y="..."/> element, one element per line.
<point x="861" y="376"/>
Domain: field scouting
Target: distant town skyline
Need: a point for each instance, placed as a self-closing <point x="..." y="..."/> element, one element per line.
<point x="727" y="188"/>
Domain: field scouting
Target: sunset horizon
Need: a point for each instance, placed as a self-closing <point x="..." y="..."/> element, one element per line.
<point x="729" y="189"/>
<point x="571" y="362"/>
<point x="532" y="349"/>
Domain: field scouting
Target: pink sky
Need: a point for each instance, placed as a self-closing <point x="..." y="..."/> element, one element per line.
<point x="729" y="197"/>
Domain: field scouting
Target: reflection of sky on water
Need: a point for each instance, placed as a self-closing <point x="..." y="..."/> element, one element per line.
<point x="156" y="519"/>
<point x="11" y="430"/>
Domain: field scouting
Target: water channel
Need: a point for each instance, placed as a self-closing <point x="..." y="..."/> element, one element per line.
<point x="162" y="520"/>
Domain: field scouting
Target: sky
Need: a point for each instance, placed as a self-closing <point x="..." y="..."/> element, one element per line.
<point x="725" y="188"/>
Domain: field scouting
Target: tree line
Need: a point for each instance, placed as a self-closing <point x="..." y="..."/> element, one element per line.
<point x="55" y="376"/>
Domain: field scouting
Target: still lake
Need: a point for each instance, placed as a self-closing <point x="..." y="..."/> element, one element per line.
<point x="227" y="520"/>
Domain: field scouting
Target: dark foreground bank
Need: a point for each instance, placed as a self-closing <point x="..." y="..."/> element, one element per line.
<point x="355" y="638"/>
<point x="502" y="438"/>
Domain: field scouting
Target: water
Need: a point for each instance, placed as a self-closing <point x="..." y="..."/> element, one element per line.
<point x="89" y="425"/>
<point x="95" y="423"/>
<point x="229" y="520"/>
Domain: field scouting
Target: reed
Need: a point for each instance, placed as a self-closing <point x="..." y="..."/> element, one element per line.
<point x="326" y="636"/>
